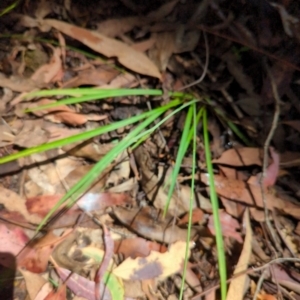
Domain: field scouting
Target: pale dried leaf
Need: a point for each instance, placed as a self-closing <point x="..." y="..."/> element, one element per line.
<point x="115" y="27"/>
<point x="126" y="55"/>
<point x="156" y="265"/>
<point x="19" y="84"/>
<point x="238" y="286"/>
<point x="14" y="203"/>
<point x="34" y="282"/>
<point x="48" y="72"/>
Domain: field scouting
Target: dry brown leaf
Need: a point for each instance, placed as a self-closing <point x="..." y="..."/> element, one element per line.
<point x="240" y="191"/>
<point x="162" y="11"/>
<point x="19" y="84"/>
<point x="241" y="157"/>
<point x="34" y="257"/>
<point x="250" y="105"/>
<point x="31" y="128"/>
<point x="114" y="27"/>
<point x="229" y="226"/>
<point x="7" y="136"/>
<point x="88" y="149"/>
<point x="144" y="45"/>
<point x="129" y="185"/>
<point x="122" y="80"/>
<point x="47" y="178"/>
<point x="121" y="171"/>
<point x="235" y="209"/>
<point x="14" y="203"/>
<point x="63" y="114"/>
<point x="235" y="68"/>
<point x="76" y="174"/>
<point x="141" y="221"/>
<point x="70" y="118"/>
<point x="165" y="43"/>
<point x="287" y="277"/>
<point x="293" y="123"/>
<point x="126" y="55"/>
<point x="50" y="72"/>
<point x="198" y="217"/>
<point x="96" y="76"/>
<point x="6" y="97"/>
<point x="43" y="9"/>
<point x="180" y="200"/>
<point x="57" y="132"/>
<point x="117" y="27"/>
<point x="137" y="247"/>
<point x="289" y="159"/>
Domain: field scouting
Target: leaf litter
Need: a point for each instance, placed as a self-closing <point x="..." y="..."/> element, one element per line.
<point x="138" y="253"/>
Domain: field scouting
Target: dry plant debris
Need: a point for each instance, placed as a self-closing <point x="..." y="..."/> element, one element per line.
<point x="114" y="243"/>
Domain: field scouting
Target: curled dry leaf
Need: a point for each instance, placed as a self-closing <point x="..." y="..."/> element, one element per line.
<point x="109" y="47"/>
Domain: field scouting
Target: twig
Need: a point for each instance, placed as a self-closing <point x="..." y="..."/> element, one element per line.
<point x="205" y="66"/>
<point x="281" y="234"/>
<point x="266" y="149"/>
<point x="261" y="280"/>
<point x="259" y="284"/>
<point x="265" y="165"/>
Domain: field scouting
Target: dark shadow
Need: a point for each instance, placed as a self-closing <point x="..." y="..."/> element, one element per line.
<point x="7" y="275"/>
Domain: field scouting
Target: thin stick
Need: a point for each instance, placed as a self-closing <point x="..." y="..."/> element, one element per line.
<point x="266" y="149"/>
<point x="205" y="66"/>
<point x="259" y="284"/>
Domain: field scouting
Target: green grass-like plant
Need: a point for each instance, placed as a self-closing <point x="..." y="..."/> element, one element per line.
<point x="145" y="124"/>
<point x="9" y="8"/>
